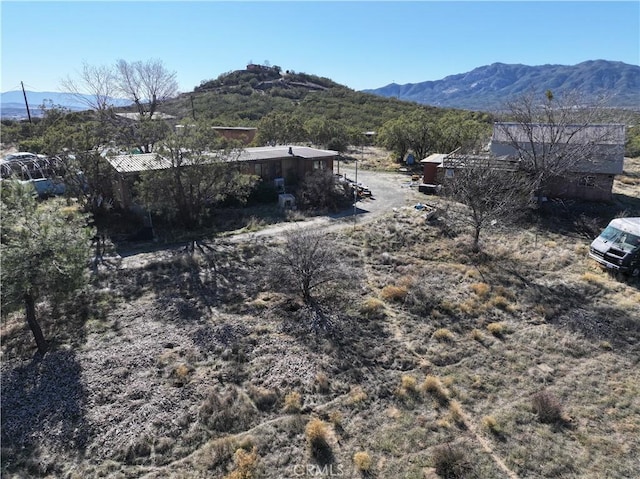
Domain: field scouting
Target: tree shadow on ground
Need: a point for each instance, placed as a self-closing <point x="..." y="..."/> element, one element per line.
<point x="194" y="283"/>
<point x="43" y="414"/>
<point x="568" y="306"/>
<point x="584" y="218"/>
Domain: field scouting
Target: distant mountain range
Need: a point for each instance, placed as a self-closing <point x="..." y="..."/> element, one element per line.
<point x="12" y="105"/>
<point x="483" y="89"/>
<point x="486" y="88"/>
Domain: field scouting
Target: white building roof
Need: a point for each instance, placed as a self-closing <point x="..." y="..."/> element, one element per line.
<point x="133" y="163"/>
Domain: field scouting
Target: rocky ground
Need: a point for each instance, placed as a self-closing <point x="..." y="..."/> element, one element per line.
<point x="171" y="362"/>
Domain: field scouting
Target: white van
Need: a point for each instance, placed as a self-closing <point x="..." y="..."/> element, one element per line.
<point x="618" y="246"/>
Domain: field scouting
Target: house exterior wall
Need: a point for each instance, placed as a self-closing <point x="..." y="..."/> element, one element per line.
<point x="245" y="135"/>
<point x="429" y="173"/>
<point x="591" y="187"/>
<point x="590" y="178"/>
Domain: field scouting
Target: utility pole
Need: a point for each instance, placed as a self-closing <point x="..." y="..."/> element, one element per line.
<point x="24" y="93"/>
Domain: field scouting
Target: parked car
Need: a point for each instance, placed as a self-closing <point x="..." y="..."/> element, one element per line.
<point x="617" y="248"/>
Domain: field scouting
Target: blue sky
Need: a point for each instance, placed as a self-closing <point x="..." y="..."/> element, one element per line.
<point x="361" y="44"/>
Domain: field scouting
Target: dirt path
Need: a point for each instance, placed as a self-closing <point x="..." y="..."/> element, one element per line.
<point x="389" y="191"/>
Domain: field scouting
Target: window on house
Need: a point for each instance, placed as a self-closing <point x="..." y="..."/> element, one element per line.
<point x="319" y="165"/>
<point x="587" y="181"/>
<point x="448" y="173"/>
<point x="258" y="169"/>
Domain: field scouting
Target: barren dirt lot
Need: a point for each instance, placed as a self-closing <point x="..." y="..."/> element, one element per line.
<point x="521" y="361"/>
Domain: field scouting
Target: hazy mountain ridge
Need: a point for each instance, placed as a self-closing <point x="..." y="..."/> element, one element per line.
<point x="12" y="103"/>
<point x="486" y="88"/>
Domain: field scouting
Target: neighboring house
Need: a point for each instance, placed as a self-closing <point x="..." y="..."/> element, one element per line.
<point x="244" y="134"/>
<point x="438" y="166"/>
<point x="281" y="164"/>
<point x="595" y="152"/>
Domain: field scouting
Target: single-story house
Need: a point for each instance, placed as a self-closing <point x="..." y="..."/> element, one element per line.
<point x="281" y="164"/>
<point x="438" y="166"/>
<point x="244" y="134"/>
<point x="595" y="154"/>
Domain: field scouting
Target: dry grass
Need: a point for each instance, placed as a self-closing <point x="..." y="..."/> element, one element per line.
<point x="547" y="407"/>
<point x="443" y="334"/>
<point x="372" y="308"/>
<point x="382" y="384"/>
<point x="293" y="402"/>
<point x="497" y="329"/>
<point x="362" y="461"/>
<point x="394" y="293"/>
<point x="356" y="395"/>
<point x="432" y="385"/>
<point x="245" y="464"/>
<point x="481" y="289"/>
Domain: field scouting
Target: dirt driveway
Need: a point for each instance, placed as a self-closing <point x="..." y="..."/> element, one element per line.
<point x="389" y="191"/>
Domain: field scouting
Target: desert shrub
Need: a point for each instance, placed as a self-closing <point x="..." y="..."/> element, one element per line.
<point x="455" y="409"/>
<point x="293" y="402"/>
<point x="497" y="329"/>
<point x="490" y="423"/>
<point x="476" y="335"/>
<point x="434" y="386"/>
<point x="316" y="433"/>
<point x="443" y="334"/>
<point x="245" y="464"/>
<point x="264" y="399"/>
<point x="481" y="289"/>
<point x="394" y="293"/>
<point x="422" y="301"/>
<point x="546" y="407"/>
<point x="372" y="308"/>
<point x="226" y="412"/>
<point x="357" y="395"/>
<point x="363" y="461"/>
<point x="451" y="462"/>
<point x="322" y="383"/>
<point x="319" y="190"/>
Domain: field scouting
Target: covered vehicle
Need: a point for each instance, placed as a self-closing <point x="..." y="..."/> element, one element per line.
<point x="618" y="246"/>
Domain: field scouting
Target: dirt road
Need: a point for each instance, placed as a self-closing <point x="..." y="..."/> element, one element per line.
<point x="389" y="191"/>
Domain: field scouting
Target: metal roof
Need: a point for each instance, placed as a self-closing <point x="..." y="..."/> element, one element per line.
<point x="273" y="152"/>
<point x="603" y="134"/>
<point x="434" y="158"/>
<point x="133" y="163"/>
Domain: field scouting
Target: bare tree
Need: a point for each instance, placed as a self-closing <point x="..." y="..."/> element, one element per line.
<point x="553" y="136"/>
<point x="146" y="84"/>
<point x="95" y="87"/>
<point x="492" y="190"/>
<point x="307" y="261"/>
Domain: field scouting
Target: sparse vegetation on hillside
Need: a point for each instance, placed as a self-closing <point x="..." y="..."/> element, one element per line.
<point x="191" y="370"/>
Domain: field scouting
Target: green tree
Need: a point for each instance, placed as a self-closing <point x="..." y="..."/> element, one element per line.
<point x="421" y="132"/>
<point x="45" y="252"/>
<point x="195" y="174"/>
<point x="456" y="130"/>
<point x="394" y="136"/>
